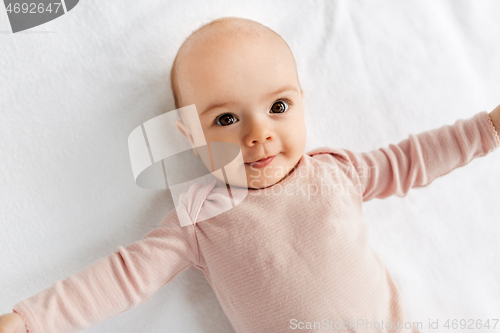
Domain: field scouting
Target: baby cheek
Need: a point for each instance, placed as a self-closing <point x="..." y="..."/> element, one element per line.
<point x="216" y="136"/>
<point x="292" y="147"/>
<point x="297" y="136"/>
<point x="298" y="143"/>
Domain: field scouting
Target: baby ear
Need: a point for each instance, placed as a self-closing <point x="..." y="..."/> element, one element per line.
<point x="302" y="93"/>
<point x="184" y="130"/>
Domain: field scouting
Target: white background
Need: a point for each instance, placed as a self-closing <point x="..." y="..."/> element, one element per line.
<point x="72" y="90"/>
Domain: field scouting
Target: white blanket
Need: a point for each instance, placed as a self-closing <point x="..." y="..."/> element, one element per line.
<point x="373" y="72"/>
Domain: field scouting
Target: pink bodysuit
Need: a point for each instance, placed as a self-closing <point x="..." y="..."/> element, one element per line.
<point x="292" y="255"/>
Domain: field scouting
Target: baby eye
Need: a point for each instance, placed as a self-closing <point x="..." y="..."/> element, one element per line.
<point x="280" y="106"/>
<point x="225" y="119"/>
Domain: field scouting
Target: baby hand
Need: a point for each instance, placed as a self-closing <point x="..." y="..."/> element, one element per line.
<point x="495" y="118"/>
<point x="12" y="323"/>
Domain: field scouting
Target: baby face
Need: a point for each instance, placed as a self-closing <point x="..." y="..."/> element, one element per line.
<point x="247" y="92"/>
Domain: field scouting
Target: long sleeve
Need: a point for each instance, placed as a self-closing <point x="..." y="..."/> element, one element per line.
<point x="114" y="284"/>
<point x="419" y="159"/>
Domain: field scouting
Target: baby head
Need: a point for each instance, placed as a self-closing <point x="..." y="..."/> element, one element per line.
<point x="243" y="80"/>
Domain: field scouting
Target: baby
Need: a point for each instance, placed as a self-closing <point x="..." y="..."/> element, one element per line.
<point x="294" y="254"/>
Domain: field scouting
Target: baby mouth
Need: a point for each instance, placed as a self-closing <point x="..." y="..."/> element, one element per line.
<point x="262" y="162"/>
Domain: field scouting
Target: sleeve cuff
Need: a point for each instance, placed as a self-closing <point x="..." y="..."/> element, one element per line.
<point x="25" y="314"/>
<point x="494" y="130"/>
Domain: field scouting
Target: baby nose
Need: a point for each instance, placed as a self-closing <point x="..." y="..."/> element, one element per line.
<point x="259" y="132"/>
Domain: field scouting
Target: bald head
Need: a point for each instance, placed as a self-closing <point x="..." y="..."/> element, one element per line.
<point x="226" y="33"/>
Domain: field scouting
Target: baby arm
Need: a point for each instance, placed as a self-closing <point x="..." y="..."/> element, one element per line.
<point x="418" y="160"/>
<point x="114" y="284"/>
